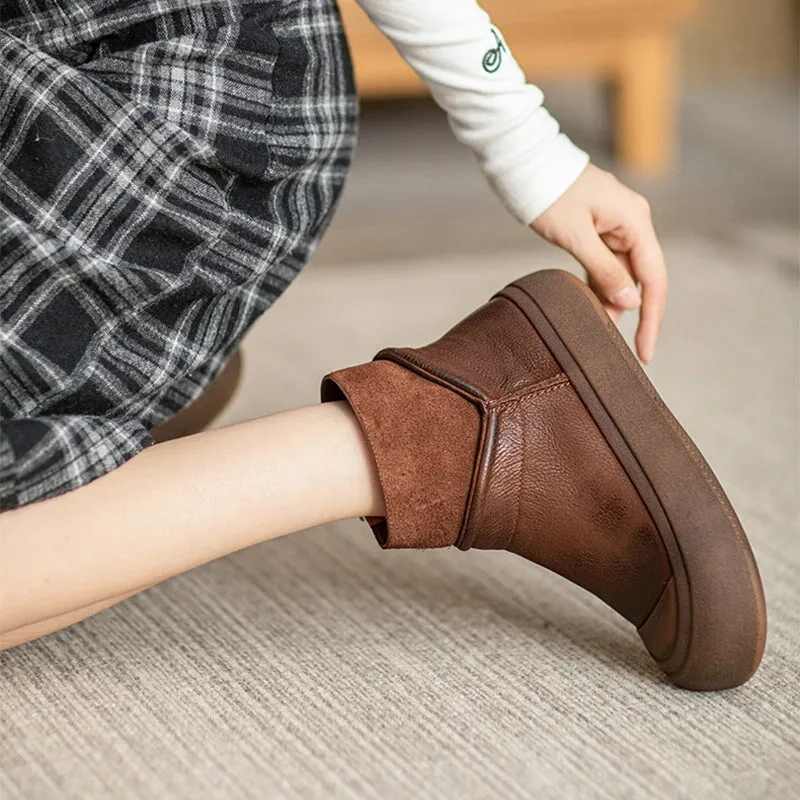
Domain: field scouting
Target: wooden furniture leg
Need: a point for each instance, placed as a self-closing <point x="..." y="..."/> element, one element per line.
<point x="645" y="102"/>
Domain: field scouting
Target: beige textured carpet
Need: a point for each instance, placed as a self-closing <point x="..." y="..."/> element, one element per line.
<point x="320" y="667"/>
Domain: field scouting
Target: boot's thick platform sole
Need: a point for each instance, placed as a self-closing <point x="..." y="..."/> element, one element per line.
<point x="715" y="599"/>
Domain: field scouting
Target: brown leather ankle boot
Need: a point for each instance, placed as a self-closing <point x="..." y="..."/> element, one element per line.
<point x="530" y="427"/>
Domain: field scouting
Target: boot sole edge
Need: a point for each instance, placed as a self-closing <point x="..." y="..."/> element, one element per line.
<point x="721" y="614"/>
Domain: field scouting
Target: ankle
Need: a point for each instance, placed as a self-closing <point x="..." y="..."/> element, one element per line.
<point x="357" y="485"/>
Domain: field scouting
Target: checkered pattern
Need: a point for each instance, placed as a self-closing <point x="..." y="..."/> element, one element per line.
<point x="166" y="168"/>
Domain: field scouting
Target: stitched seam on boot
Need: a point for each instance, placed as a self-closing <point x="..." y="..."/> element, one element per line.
<point x="543" y="387"/>
<point x="515" y="529"/>
<point x="486" y="444"/>
<point x="429" y="369"/>
<point x="486" y="407"/>
<point x="494" y="411"/>
<point x="434" y="374"/>
<point x="499" y="409"/>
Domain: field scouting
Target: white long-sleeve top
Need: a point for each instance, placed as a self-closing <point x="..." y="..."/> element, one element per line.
<point x="472" y="75"/>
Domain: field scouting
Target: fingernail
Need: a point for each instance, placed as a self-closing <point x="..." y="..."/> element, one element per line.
<point x="627" y="298"/>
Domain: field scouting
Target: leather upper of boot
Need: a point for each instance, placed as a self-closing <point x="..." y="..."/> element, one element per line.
<point x="480" y="441"/>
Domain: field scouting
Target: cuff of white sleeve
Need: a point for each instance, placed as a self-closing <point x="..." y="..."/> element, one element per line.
<point x="530" y="190"/>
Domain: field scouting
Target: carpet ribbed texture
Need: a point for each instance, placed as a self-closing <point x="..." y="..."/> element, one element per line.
<point x="318" y="666"/>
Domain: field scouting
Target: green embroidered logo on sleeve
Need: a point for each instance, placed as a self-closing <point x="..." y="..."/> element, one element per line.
<point x="493" y="57"/>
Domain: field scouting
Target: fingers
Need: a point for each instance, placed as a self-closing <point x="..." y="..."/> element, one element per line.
<point x="609" y="230"/>
<point x="613" y="277"/>
<point x="608" y="274"/>
<point x="647" y="263"/>
<point x="613" y="312"/>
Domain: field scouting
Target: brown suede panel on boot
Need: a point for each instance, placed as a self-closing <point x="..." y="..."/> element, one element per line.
<point x="424" y="439"/>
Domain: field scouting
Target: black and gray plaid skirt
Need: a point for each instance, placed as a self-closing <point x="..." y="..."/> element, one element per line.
<point x="166" y="168"/>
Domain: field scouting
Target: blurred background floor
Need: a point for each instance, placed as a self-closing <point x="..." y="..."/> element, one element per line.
<point x="414" y="191"/>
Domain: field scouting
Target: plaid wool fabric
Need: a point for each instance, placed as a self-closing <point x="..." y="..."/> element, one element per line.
<point x="166" y="168"/>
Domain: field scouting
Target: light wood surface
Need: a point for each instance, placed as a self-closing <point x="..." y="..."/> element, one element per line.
<point x="631" y="44"/>
<point x="646" y="101"/>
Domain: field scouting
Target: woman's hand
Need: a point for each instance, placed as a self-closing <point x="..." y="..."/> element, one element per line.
<point x="607" y="227"/>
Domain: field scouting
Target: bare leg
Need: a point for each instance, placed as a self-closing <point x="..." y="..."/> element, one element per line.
<point x="177" y="505"/>
<point x="37" y="629"/>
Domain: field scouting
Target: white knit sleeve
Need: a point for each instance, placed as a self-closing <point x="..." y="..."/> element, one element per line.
<point x="473" y="76"/>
